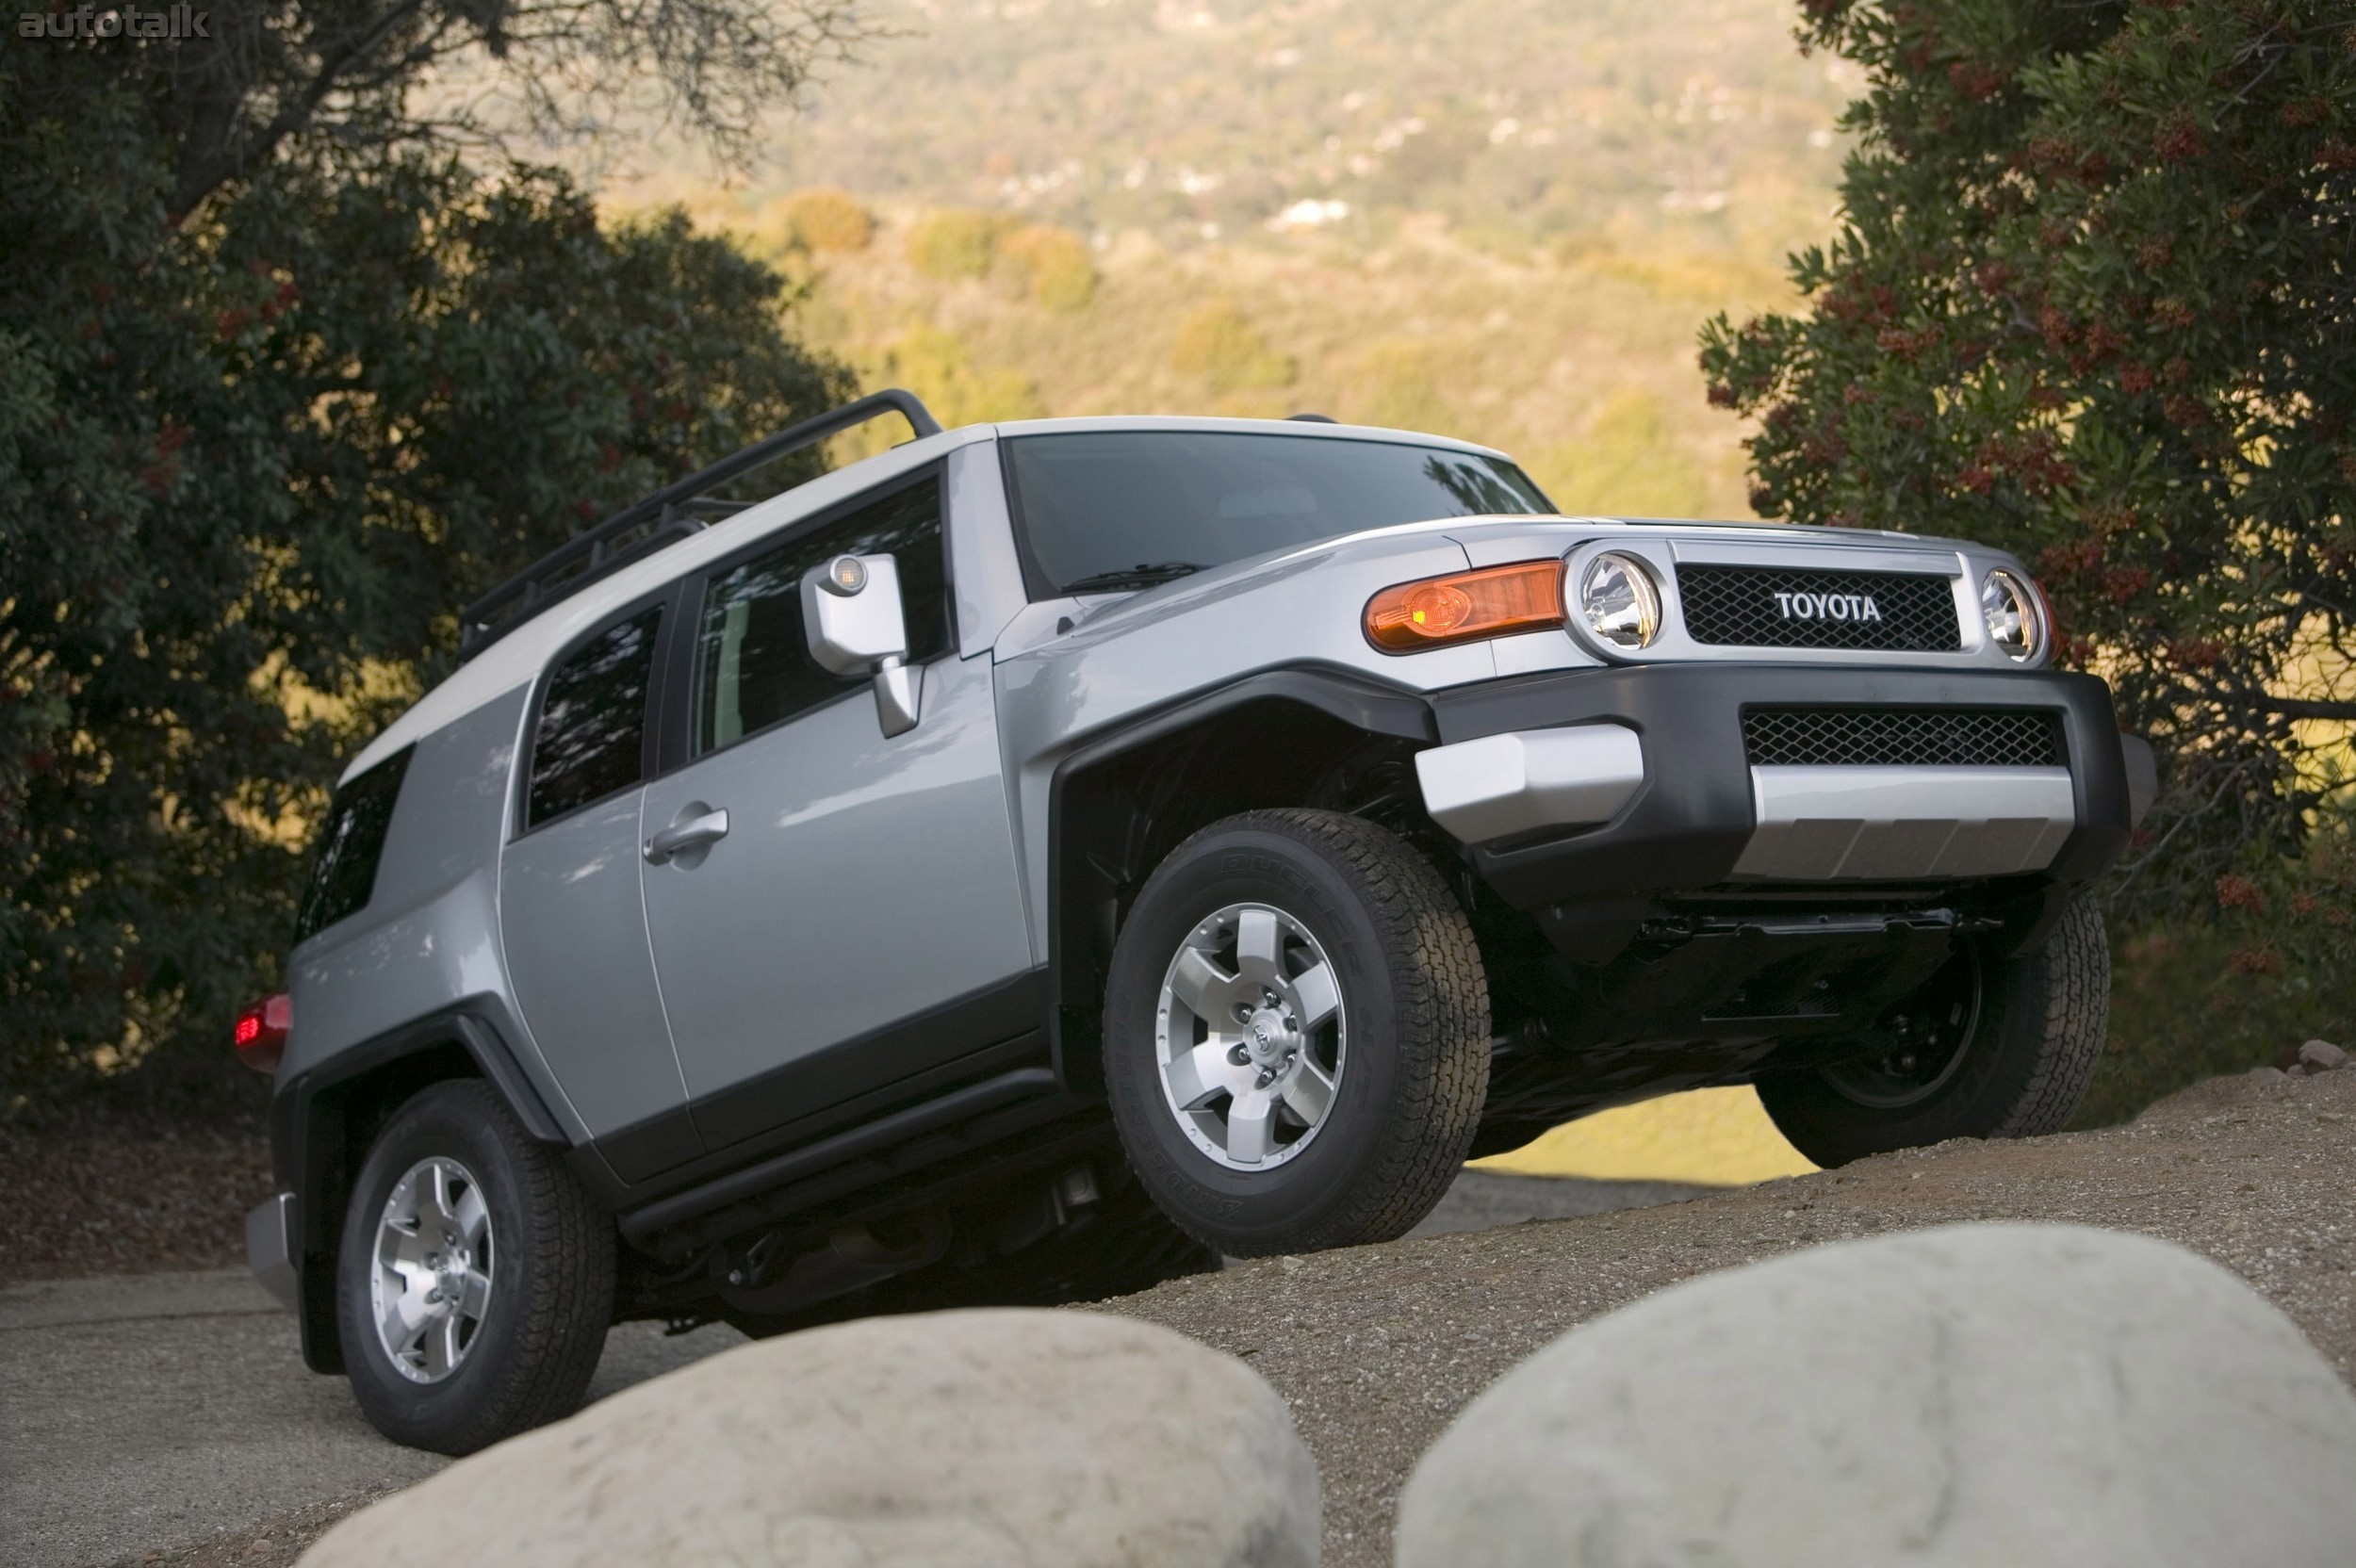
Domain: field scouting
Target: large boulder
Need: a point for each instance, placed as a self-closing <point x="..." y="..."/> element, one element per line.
<point x="2030" y="1395"/>
<point x="949" y="1439"/>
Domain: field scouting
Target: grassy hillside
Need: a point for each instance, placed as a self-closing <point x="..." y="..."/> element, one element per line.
<point x="1502" y="221"/>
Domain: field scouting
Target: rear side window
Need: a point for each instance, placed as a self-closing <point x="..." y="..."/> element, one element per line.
<point x="343" y="873"/>
<point x="753" y="666"/>
<point x="592" y="736"/>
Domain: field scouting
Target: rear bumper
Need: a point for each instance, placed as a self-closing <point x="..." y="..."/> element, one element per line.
<point x="1695" y="814"/>
<point x="270" y="1248"/>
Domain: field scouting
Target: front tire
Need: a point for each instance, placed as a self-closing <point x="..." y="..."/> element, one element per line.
<point x="1295" y="1034"/>
<point x="2029" y="1034"/>
<point x="475" y="1281"/>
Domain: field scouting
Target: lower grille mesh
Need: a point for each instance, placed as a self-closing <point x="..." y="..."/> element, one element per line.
<point x="1902" y="737"/>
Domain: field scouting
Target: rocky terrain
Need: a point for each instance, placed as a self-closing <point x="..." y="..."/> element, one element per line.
<point x="1376" y="1348"/>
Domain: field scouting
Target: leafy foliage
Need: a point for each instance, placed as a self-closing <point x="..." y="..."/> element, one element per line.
<point x="1049" y="266"/>
<point x="1219" y="344"/>
<point x="2092" y="299"/>
<point x="959" y="243"/>
<point x="2271" y="963"/>
<point x="828" y="219"/>
<point x="250" y="464"/>
<point x="471" y="73"/>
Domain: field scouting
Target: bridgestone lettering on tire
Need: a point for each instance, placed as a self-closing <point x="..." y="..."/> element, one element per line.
<point x="521" y="1350"/>
<point x="2035" y="1037"/>
<point x="1295" y="1034"/>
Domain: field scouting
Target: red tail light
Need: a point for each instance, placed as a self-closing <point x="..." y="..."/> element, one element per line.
<point x="260" y="1035"/>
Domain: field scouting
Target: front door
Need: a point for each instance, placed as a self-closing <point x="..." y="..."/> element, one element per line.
<point x="851" y="925"/>
<point x="571" y="913"/>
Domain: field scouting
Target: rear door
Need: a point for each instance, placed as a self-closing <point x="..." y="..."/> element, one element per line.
<point x="861" y="919"/>
<point x="572" y="915"/>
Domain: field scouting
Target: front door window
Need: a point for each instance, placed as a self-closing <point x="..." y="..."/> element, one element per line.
<point x="753" y="667"/>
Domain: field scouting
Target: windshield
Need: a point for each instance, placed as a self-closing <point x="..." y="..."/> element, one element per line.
<point x="1112" y="510"/>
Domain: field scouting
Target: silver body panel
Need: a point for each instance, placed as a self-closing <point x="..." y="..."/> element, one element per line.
<point x="582" y="971"/>
<point x="1199" y="633"/>
<point x="430" y="938"/>
<point x="862" y="880"/>
<point x="1855" y="824"/>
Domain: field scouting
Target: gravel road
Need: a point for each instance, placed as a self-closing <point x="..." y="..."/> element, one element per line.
<point x="171" y="1413"/>
<point x="167" y="1419"/>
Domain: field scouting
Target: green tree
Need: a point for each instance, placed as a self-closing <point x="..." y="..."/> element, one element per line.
<point x="2091" y="299"/>
<point x="254" y="457"/>
<point x="1216" y="342"/>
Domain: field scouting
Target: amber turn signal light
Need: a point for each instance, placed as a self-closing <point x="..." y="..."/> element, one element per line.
<point x="1463" y="607"/>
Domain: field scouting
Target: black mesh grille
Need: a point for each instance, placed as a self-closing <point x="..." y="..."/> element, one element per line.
<point x="1902" y="737"/>
<point x="1768" y="607"/>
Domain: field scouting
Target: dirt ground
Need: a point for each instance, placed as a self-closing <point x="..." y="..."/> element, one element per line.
<point x="1377" y="1348"/>
<point x="129" y="1193"/>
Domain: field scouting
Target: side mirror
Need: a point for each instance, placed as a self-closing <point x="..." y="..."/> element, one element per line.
<point x="852" y="614"/>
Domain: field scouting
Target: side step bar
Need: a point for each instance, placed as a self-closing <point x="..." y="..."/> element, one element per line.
<point x="1029" y="1083"/>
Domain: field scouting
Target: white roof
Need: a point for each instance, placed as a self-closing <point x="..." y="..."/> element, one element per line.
<point x="516" y="658"/>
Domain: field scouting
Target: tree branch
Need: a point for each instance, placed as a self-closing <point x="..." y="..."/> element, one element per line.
<point x="2296" y="708"/>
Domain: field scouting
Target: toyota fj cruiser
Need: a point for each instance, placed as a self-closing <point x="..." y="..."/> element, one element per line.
<point x="1038" y="859"/>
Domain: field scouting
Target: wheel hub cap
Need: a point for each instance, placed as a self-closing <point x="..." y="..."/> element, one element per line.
<point x="1249" y="1033"/>
<point x="1272" y="1037"/>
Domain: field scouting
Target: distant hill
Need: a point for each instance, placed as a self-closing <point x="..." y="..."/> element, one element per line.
<point x="1503" y="220"/>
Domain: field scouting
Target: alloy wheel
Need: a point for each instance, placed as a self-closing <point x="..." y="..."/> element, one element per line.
<point x="1250" y="1036"/>
<point x="431" y="1282"/>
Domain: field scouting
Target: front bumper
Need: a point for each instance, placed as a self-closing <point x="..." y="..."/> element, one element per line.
<point x="1683" y="810"/>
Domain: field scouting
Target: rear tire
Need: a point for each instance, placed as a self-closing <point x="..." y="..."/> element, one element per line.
<point x="1325" y="1092"/>
<point x="2034" y="1036"/>
<point x="475" y="1282"/>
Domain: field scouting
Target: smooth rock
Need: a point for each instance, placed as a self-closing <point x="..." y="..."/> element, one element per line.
<point x="2267" y="1073"/>
<point x="988" y="1439"/>
<point x="2030" y="1395"/>
<point x="2321" y="1056"/>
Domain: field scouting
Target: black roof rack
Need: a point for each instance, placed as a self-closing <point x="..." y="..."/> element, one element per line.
<point x="666" y="518"/>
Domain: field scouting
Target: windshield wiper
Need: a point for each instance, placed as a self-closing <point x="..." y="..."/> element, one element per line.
<point x="1132" y="576"/>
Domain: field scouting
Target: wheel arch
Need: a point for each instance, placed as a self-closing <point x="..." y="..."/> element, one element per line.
<point x="323" y="1123"/>
<point x="1124" y="798"/>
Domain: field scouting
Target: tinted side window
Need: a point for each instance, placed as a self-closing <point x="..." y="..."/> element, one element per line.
<point x="592" y="736"/>
<point x="753" y="666"/>
<point x="343" y="874"/>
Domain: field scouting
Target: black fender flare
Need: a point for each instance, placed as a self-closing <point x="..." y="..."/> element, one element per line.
<point x="1370" y="706"/>
<point x="311" y="1127"/>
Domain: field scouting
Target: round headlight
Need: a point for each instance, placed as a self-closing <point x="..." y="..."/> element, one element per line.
<point x="1618" y="601"/>
<point x="2015" y="622"/>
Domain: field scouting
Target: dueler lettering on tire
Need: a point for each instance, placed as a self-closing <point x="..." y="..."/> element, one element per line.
<point x="475" y="1281"/>
<point x="1297" y="1034"/>
<point x="1987" y="1047"/>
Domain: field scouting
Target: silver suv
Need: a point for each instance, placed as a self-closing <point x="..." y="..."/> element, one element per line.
<point x="1044" y="857"/>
